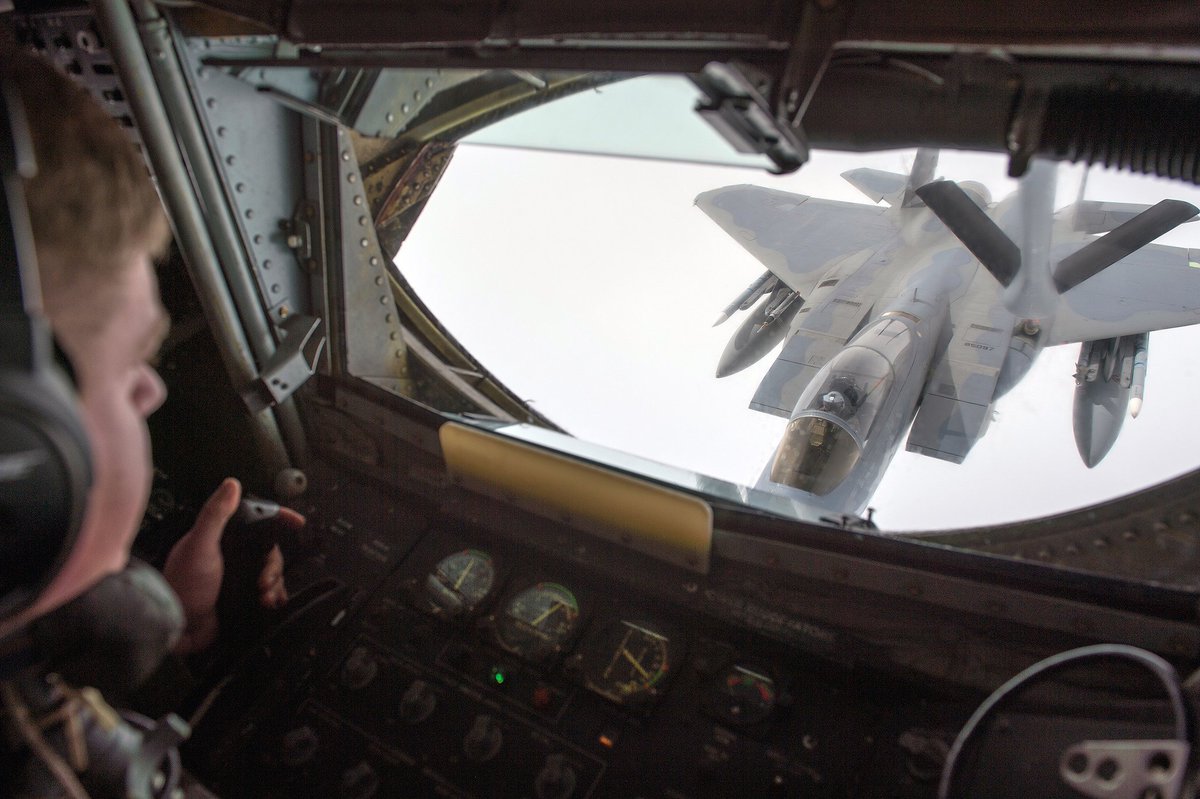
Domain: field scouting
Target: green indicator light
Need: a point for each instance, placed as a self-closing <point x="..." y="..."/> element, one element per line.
<point x="498" y="676"/>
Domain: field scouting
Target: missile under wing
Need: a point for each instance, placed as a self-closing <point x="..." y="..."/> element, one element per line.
<point x="928" y="310"/>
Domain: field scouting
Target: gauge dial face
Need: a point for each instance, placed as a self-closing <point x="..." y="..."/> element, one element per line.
<point x="628" y="660"/>
<point x="460" y="581"/>
<point x="744" y="696"/>
<point x="538" y="620"/>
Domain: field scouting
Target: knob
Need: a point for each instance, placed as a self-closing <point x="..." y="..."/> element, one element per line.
<point x="483" y="740"/>
<point x="925" y="754"/>
<point x="359" y="669"/>
<point x="359" y="782"/>
<point x="556" y="780"/>
<point x="418" y="702"/>
<point x="299" y="746"/>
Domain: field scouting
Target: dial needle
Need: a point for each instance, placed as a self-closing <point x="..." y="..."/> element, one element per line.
<point x="645" y="674"/>
<point x="458" y="583"/>
<point x="546" y="614"/>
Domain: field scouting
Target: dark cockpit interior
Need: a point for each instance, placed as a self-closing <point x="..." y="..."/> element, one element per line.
<point x="484" y="601"/>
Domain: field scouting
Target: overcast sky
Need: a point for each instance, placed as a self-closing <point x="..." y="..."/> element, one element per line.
<point x="589" y="284"/>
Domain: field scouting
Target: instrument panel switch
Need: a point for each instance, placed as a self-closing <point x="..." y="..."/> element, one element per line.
<point x="483" y="741"/>
<point x="418" y="703"/>
<point x="360" y="669"/>
<point x="556" y="780"/>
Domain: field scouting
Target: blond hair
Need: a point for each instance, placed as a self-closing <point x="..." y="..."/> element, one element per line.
<point x="92" y="203"/>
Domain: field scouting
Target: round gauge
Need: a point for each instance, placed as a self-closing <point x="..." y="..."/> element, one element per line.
<point x="627" y="661"/>
<point x="538" y="620"/>
<point x="744" y="696"/>
<point x="460" y="581"/>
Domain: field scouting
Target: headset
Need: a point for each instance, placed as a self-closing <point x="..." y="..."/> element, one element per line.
<point x="45" y="463"/>
<point x="45" y="474"/>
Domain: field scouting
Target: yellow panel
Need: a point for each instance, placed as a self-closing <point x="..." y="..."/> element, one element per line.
<point x="658" y="521"/>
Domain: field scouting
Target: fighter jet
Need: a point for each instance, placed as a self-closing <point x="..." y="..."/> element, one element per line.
<point x="924" y="311"/>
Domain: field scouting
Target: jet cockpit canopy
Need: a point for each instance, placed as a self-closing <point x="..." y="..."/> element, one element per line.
<point x="826" y="435"/>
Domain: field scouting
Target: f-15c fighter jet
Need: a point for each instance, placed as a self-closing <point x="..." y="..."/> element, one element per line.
<point x="925" y="311"/>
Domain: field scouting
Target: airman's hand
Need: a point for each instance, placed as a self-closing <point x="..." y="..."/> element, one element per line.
<point x="195" y="567"/>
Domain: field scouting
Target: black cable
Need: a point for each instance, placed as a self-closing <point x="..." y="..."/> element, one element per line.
<point x="31" y="732"/>
<point x="1161" y="669"/>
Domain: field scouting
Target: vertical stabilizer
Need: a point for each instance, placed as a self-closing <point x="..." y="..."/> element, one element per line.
<point x="922" y="172"/>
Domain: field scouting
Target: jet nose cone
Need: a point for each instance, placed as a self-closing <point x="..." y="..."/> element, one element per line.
<point x="1098" y="416"/>
<point x="1090" y="457"/>
<point x="740" y="352"/>
<point x="754" y="339"/>
<point x="725" y="368"/>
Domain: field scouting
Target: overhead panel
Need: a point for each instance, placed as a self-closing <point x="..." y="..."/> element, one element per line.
<point x="259" y="168"/>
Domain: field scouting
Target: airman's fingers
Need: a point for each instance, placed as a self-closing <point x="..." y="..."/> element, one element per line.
<point x="293" y="520"/>
<point x="272" y="570"/>
<point x="276" y="598"/>
<point x="272" y="593"/>
<point x="218" y="510"/>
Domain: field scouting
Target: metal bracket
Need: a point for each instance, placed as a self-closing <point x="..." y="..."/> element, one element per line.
<point x="739" y="112"/>
<point x="294" y="362"/>
<point x="822" y="23"/>
<point x="848" y="521"/>
<point x="1025" y="130"/>
<point x="1125" y="769"/>
<point x="394" y="98"/>
<point x="299" y="235"/>
<point x="286" y="49"/>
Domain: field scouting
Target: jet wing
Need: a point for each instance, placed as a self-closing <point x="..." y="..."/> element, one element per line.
<point x="796" y="237"/>
<point x="1153" y="288"/>
<point x="1101" y="216"/>
<point x="956" y="407"/>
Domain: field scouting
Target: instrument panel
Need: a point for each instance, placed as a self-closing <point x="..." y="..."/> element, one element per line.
<point x="536" y="618"/>
<point x="457" y="660"/>
<point x="538" y="621"/>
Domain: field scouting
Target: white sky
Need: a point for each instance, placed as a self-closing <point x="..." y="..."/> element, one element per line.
<point x="589" y="284"/>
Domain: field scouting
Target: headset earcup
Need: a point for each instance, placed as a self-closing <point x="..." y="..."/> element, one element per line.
<point x="45" y="473"/>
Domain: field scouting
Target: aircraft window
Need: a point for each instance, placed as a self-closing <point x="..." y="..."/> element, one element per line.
<point x="816" y="453"/>
<point x="648" y="117"/>
<point x="856" y="383"/>
<point x="588" y="285"/>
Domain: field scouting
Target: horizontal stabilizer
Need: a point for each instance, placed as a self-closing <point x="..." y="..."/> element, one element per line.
<point x="1100" y="216"/>
<point x="1126" y="239"/>
<point x="877" y="184"/>
<point x="974" y="228"/>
